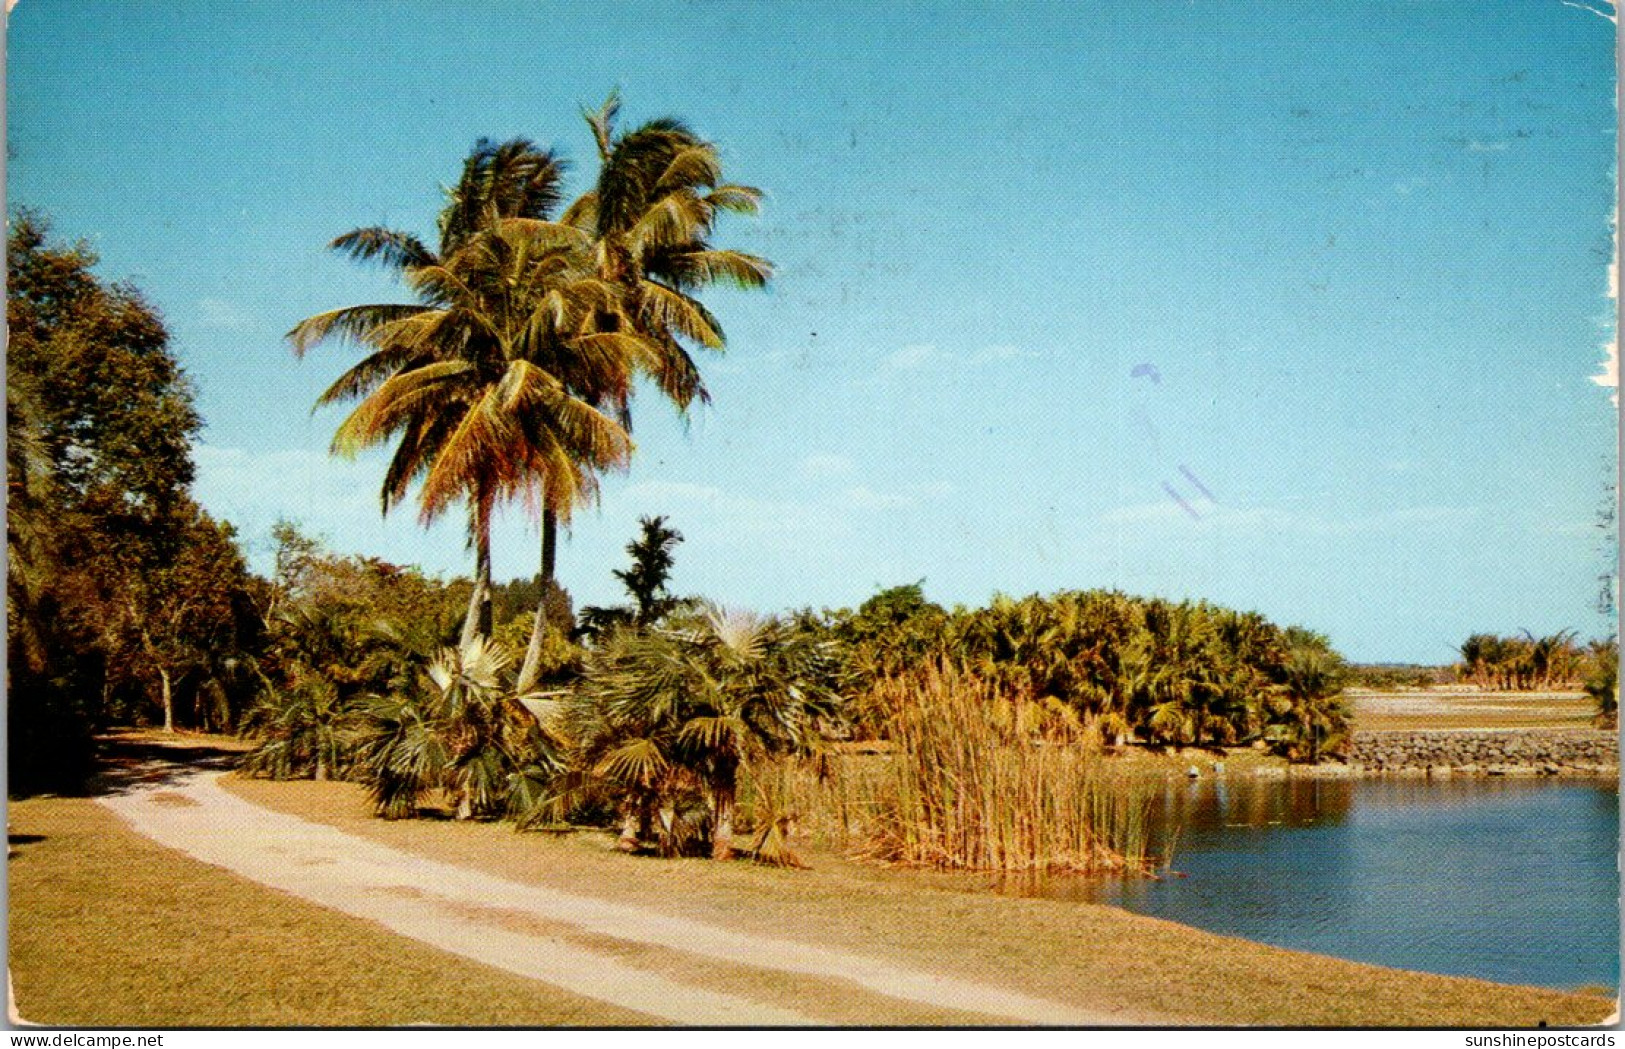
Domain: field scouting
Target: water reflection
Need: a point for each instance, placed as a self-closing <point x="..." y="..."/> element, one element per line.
<point x="1509" y="880"/>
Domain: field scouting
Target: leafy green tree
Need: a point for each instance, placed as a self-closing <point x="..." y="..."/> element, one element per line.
<point x="645" y="580"/>
<point x="117" y="581"/>
<point x="191" y="619"/>
<point x="112" y="409"/>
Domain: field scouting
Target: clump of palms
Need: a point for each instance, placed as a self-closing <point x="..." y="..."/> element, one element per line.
<point x="512" y="375"/>
<point x="339" y="630"/>
<point x="321" y="656"/>
<point x="467" y="382"/>
<point x="666" y="719"/>
<point x="456" y="730"/>
<point x="310" y="729"/>
<point x="1521" y="663"/>
<point x="1311" y="715"/>
<point x="1168" y="674"/>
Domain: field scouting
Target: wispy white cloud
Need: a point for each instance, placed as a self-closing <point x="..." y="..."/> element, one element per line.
<point x="832" y="512"/>
<point x="1608" y="376"/>
<point x="1005" y="352"/>
<point x="862" y="497"/>
<point x="677" y="491"/>
<point x="333" y="499"/>
<point x="823" y="465"/>
<point x="912" y="356"/>
<point x="285" y="477"/>
<point x="220" y="315"/>
<point x="1476" y="146"/>
<point x="919" y="356"/>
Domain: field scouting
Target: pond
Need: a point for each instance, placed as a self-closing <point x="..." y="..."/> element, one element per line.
<point x="1509" y="880"/>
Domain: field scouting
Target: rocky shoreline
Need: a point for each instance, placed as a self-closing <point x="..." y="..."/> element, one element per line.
<point x="1488" y="752"/>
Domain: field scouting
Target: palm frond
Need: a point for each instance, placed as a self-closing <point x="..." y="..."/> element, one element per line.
<point x="390" y="248"/>
<point x="693" y="269"/>
<point x="663" y="309"/>
<point x="742" y="200"/>
<point x="355" y="323"/>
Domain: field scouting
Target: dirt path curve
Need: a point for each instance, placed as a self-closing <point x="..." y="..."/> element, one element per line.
<point x="429" y="901"/>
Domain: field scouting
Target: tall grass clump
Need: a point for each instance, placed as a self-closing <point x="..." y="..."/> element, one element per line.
<point x="981" y="779"/>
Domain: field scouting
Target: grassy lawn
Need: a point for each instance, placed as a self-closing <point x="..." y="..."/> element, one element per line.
<point x="109" y="929"/>
<point x="1091" y="955"/>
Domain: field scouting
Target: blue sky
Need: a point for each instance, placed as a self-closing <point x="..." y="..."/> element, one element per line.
<point x="1296" y="307"/>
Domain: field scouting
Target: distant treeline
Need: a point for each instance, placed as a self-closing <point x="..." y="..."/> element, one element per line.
<point x="1399" y="675"/>
<point x="1135" y="668"/>
<point x="1529" y="663"/>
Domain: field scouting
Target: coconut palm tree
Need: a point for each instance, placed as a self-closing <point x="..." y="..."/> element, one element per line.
<point x="648" y="219"/>
<point x="477" y="383"/>
<point x="500" y="181"/>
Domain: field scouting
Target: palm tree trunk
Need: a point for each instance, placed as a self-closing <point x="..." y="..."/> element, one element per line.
<point x="669" y="845"/>
<point x="538" y="631"/>
<point x="478" y="621"/>
<point x="722" y="836"/>
<point x="169" y="700"/>
<point x="637" y="822"/>
<point x="628" y="841"/>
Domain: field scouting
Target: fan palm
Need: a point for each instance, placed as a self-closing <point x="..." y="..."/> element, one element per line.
<point x="455" y="729"/>
<point x="665" y="712"/>
<point x="1310" y="704"/>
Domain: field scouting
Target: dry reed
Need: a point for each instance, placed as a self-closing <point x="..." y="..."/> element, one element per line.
<point x="976" y="779"/>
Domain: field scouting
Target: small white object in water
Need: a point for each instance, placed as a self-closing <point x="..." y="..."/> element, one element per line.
<point x="1193" y="772"/>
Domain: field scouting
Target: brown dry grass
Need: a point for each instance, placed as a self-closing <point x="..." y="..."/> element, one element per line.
<point x="1385" y="711"/>
<point x="1093" y="956"/>
<point x="109" y="929"/>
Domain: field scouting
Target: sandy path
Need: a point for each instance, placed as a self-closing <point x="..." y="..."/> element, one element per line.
<point x="429" y="901"/>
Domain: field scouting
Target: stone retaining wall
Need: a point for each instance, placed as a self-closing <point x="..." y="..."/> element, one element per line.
<point x="1509" y="752"/>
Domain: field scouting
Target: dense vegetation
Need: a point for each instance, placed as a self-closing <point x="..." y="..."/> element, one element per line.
<point x="1161" y="672"/>
<point x="697" y="729"/>
<point x="124" y="600"/>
